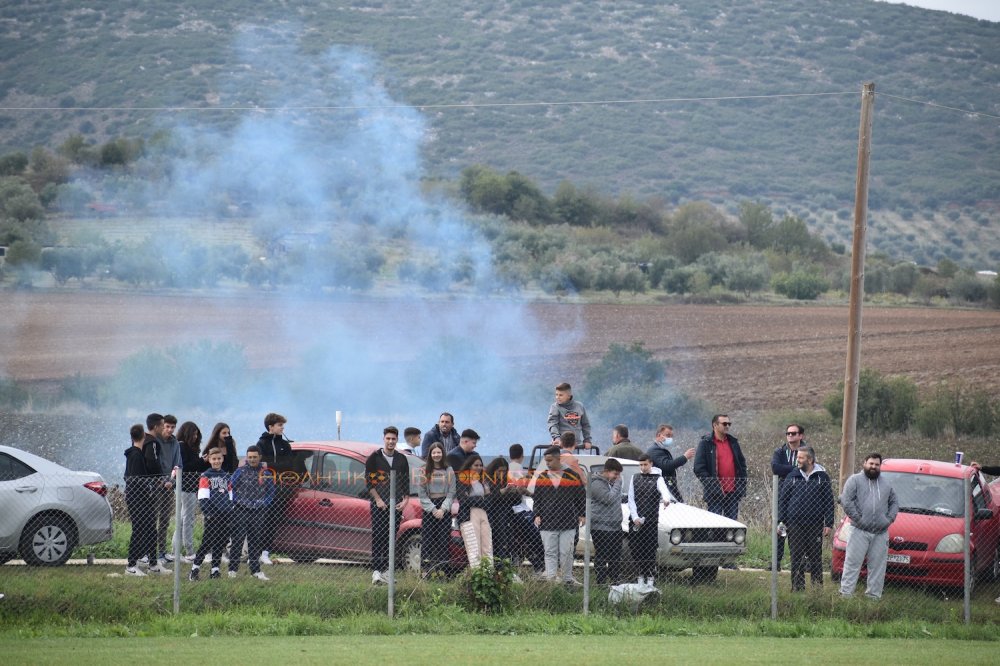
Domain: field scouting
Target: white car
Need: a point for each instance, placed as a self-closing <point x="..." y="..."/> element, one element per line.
<point x="48" y="510"/>
<point x="689" y="537"/>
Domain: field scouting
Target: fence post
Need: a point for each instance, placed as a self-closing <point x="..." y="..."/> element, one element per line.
<point x="177" y="540"/>
<point x="774" y="546"/>
<point x="586" y="554"/>
<point x="392" y="542"/>
<point x="966" y="555"/>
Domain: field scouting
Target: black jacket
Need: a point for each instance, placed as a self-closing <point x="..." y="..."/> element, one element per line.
<point x="193" y="465"/>
<point x="803" y="501"/>
<point x="138" y="481"/>
<point x="560" y="506"/>
<point x="276" y="451"/>
<point x="668" y="466"/>
<point x="377" y="471"/>
<point x="707" y="470"/>
<point x="434" y="435"/>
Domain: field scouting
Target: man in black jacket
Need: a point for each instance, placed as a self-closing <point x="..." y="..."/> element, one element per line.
<point x="443" y="431"/>
<point x="667" y="464"/>
<point x="276" y="455"/>
<point x="784" y="461"/>
<point x="805" y="507"/>
<point x="720" y="466"/>
<point x="378" y="469"/>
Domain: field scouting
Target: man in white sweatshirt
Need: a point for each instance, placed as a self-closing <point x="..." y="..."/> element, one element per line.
<point x="871" y="504"/>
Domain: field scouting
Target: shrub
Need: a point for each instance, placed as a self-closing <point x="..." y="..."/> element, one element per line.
<point x="489" y="585"/>
<point x="884" y="404"/>
<point x="799" y="285"/>
<point x="967" y="409"/>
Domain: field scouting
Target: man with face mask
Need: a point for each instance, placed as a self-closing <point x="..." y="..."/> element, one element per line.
<point x="660" y="455"/>
<point x="871" y="504"/>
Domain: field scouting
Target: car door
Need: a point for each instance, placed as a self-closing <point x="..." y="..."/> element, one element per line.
<point x="21" y="489"/>
<point x="986" y="531"/>
<point x="338" y="517"/>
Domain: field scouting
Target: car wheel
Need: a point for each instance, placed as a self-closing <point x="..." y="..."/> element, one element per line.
<point x="48" y="541"/>
<point x="835" y="576"/>
<point x="704" y="574"/>
<point x="410" y="557"/>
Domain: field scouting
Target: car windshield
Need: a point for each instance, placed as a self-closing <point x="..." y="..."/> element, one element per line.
<point x="925" y="494"/>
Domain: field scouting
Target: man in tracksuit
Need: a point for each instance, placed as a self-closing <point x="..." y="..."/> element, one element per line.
<point x="606" y="522"/>
<point x="805" y="506"/>
<point x="253" y="492"/>
<point x="871" y="504"/>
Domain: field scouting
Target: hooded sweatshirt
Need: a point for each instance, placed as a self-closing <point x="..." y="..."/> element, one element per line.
<point x="871" y="504"/>
<point x="214" y="495"/>
<point x="605" y="503"/>
<point x="137" y="479"/>
<point x="569" y="416"/>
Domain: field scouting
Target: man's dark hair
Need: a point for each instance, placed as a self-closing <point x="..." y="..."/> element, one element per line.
<point x="564" y="387"/>
<point x="568" y="440"/>
<point x="553" y="451"/>
<point x="137" y="433"/>
<point x="644" y="457"/>
<point x="516" y="451"/>
<point x="253" y="448"/>
<point x="153" y="420"/>
<point x="449" y="415"/>
<point x="393" y="429"/>
<point x="411" y="431"/>
<point x="170" y="418"/>
<point x="809" y="451"/>
<point x="716" y="417"/>
<point x="802" y="430"/>
<point x="874" y="454"/>
<point x="622" y="430"/>
<point x="273" y="419"/>
<point x="469" y="433"/>
<point x="663" y="426"/>
<point x="612" y="465"/>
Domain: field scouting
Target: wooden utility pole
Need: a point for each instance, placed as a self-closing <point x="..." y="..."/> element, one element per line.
<point x="853" y="372"/>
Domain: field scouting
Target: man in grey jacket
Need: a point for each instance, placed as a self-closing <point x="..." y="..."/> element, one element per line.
<point x="871" y="504"/>
<point x="606" y="522"/>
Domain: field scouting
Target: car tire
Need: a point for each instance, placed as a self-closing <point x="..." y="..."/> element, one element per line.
<point x="706" y="575"/>
<point x="410" y="555"/>
<point x="835" y="576"/>
<point x="48" y="541"/>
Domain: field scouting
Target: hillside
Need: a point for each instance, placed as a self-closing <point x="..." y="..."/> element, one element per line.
<point x="935" y="173"/>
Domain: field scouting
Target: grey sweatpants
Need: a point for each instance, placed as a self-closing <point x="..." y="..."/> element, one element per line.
<point x="558" y="553"/>
<point x="874" y="548"/>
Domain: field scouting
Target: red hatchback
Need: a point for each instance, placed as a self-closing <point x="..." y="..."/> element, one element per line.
<point x="328" y="515"/>
<point x="926" y="540"/>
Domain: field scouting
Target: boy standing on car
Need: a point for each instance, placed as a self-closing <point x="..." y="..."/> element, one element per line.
<point x="253" y="492"/>
<point x="378" y="469"/>
<point x="645" y="493"/>
<point x="568" y="415"/>
<point x="871" y="504"/>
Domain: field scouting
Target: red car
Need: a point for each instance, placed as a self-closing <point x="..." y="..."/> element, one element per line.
<point x="926" y="540"/>
<point x="328" y="516"/>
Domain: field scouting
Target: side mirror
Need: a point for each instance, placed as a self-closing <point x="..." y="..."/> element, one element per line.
<point x="984" y="514"/>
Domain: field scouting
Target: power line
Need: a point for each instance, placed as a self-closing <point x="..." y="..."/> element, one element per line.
<point x="939" y="106"/>
<point x="471" y="105"/>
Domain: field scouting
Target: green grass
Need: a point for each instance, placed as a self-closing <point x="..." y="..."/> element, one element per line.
<point x="417" y="650"/>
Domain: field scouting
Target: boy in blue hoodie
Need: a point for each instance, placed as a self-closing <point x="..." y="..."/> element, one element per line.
<point x="215" y="500"/>
<point x="253" y="492"/>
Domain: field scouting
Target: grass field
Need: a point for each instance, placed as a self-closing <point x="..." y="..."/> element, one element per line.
<point x="451" y="649"/>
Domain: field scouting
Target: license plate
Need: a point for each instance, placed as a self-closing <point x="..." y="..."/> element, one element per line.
<point x="898" y="559"/>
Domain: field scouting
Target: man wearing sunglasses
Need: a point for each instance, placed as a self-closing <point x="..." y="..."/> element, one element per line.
<point x="784" y="461"/>
<point x="720" y="466"/>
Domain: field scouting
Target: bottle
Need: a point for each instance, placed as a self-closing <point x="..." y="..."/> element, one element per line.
<point x="782" y="530"/>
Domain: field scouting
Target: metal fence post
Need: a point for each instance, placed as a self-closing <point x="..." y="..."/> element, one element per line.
<point x="586" y="554"/>
<point x="177" y="540"/>
<point x="392" y="542"/>
<point x="966" y="555"/>
<point x="774" y="546"/>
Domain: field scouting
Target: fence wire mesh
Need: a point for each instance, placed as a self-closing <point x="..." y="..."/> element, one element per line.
<point x="577" y="532"/>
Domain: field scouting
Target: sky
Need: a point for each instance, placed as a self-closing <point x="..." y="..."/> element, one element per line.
<point x="980" y="9"/>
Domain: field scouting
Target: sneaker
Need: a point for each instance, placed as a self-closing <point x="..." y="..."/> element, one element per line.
<point x="265" y="558"/>
<point x="187" y="559"/>
<point x="194" y="574"/>
<point x="233" y="574"/>
<point x="573" y="582"/>
<point x="144" y="560"/>
<point x="168" y="557"/>
<point x="134" y="571"/>
<point x="260" y="576"/>
<point x="160" y="569"/>
<point x="215" y="573"/>
<point x="997" y="600"/>
<point x="651" y="581"/>
<point x="377" y="578"/>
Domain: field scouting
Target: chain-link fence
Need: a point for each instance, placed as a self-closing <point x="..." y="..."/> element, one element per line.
<point x="590" y="532"/>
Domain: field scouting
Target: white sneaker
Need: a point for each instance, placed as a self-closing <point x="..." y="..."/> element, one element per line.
<point x="377" y="578"/>
<point x="260" y="576"/>
<point x="233" y="574"/>
<point x="134" y="571"/>
<point x="265" y="558"/>
<point x="167" y="557"/>
<point x="997" y="600"/>
<point x="144" y="560"/>
<point x="187" y="559"/>
<point x="159" y="569"/>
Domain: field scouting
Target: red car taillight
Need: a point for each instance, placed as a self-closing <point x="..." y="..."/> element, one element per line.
<point x="98" y="487"/>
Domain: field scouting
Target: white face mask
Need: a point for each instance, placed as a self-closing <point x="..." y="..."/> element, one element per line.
<point x="668" y="441"/>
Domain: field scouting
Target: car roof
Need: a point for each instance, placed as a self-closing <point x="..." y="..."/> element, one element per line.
<point x="39" y="463"/>
<point x="365" y="449"/>
<point x="929" y="467"/>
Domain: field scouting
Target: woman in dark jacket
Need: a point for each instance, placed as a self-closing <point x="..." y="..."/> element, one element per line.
<point x="222" y="438"/>
<point x="192" y="464"/>
<point x="500" y="509"/>
<point x="473" y="494"/>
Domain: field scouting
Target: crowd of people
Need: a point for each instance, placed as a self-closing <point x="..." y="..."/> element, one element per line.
<point x="243" y="504"/>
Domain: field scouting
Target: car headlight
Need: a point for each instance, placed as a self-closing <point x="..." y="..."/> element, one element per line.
<point x="675" y="537"/>
<point x="952" y="543"/>
<point x="729" y="535"/>
<point x="740" y="536"/>
<point x="845" y="532"/>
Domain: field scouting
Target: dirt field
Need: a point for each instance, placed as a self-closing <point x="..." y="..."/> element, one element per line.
<point x="750" y="357"/>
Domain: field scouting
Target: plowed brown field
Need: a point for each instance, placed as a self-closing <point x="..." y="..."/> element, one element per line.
<point x="747" y="357"/>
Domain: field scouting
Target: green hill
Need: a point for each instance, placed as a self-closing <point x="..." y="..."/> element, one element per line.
<point x="935" y="172"/>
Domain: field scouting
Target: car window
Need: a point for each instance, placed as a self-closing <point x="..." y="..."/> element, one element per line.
<point x="978" y="500"/>
<point x="927" y="494"/>
<point x="12" y="469"/>
<point x="340" y="474"/>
